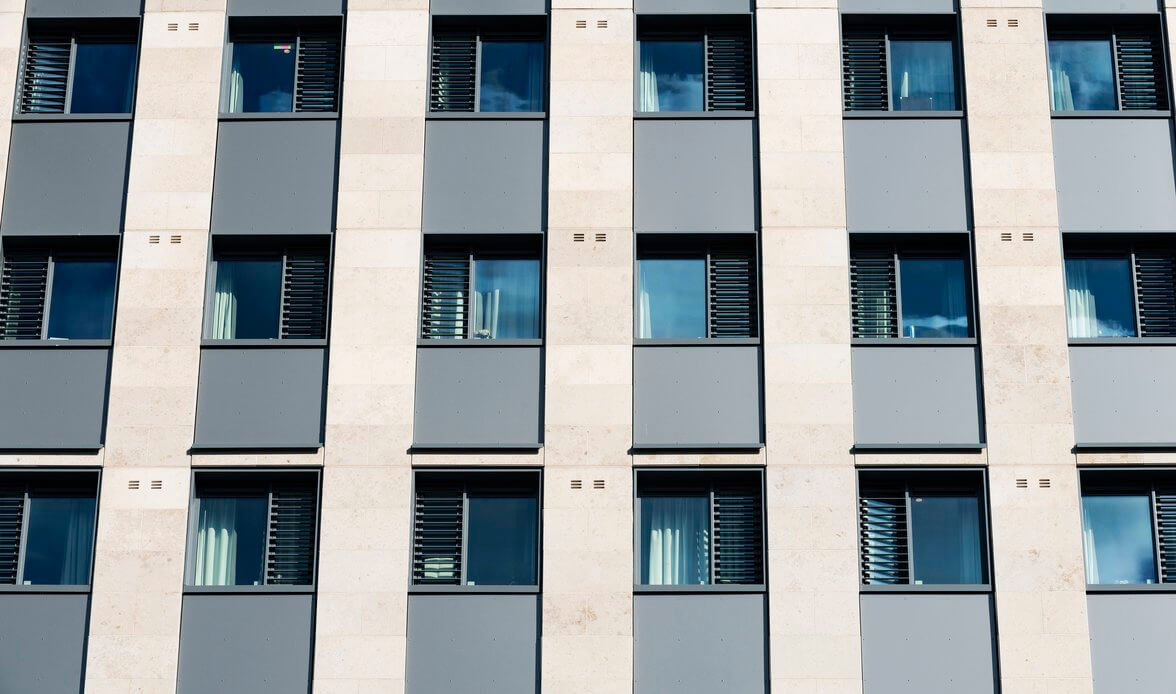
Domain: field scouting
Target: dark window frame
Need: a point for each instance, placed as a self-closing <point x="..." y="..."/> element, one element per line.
<point x="88" y="31"/>
<point x="521" y="28"/>
<point x="53" y="249"/>
<point x="1109" y="27"/>
<point x="1075" y="246"/>
<point x="1110" y="481"/>
<point x="82" y="482"/>
<point x="904" y="27"/>
<point x="699" y="28"/>
<point x="293" y="30"/>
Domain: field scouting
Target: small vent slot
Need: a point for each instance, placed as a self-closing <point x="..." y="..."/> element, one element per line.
<point x="578" y="238"/>
<point x="154" y="238"/>
<point x="1043" y="483"/>
<point x="1027" y="236"/>
<point x="577" y="484"/>
<point x="991" y="23"/>
<point x="157" y="484"/>
<point x="1022" y="483"/>
<point x="173" y="26"/>
<point x="1014" y="23"/>
<point x="602" y="24"/>
<point x="581" y="23"/>
<point x="174" y="238"/>
<point x="1006" y="236"/>
<point x="132" y="484"/>
<point x="601" y="238"/>
<point x="193" y="26"/>
<point x="598" y="484"/>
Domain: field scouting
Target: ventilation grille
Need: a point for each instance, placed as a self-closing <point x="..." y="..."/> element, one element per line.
<point x="22" y="295"/>
<point x="45" y="81"/>
<point x="317" y="86"/>
<point x="863" y="59"/>
<point x="873" y="293"/>
<point x="738" y="543"/>
<point x="445" y="295"/>
<point x="728" y="62"/>
<point x="304" y="295"/>
<point x="11" y="519"/>
<point x="1141" y="72"/>
<point x="1155" y="288"/>
<point x="883" y="528"/>
<point x="436" y="541"/>
<point x="290" y="546"/>
<point x="454" y="70"/>
<point x="732" y="286"/>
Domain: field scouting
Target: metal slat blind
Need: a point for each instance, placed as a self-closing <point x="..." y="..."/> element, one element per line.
<point x="728" y="62"/>
<point x="738" y="543"/>
<point x="1155" y="291"/>
<point x="1166" y="532"/>
<point x="11" y="520"/>
<point x="883" y="532"/>
<point x="873" y="293"/>
<point x="445" y="297"/>
<point x="290" y="546"/>
<point x="317" y="83"/>
<point x="45" y="74"/>
<point x="304" y="295"/>
<point x="454" y="72"/>
<point x="1139" y="56"/>
<point x="437" y="537"/>
<point x="22" y="294"/>
<point x="863" y="66"/>
<point x="732" y="287"/>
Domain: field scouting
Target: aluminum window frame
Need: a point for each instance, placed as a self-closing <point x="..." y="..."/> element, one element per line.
<point x="1110" y="247"/>
<point x="109" y="29"/>
<point x="493" y="28"/>
<point x="909" y="28"/>
<point x="264" y="30"/>
<point x="39" y="479"/>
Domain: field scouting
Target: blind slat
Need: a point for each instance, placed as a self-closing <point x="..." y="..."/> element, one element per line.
<point x="733" y="294"/>
<point x="863" y="65"/>
<point x="304" y="300"/>
<point x="873" y="293"/>
<point x="45" y="74"/>
<point x="437" y="537"/>
<point x="452" y="79"/>
<point x="1155" y="289"/>
<point x="290" y="545"/>
<point x="882" y="525"/>
<point x="445" y="303"/>
<point x="1142" y="83"/>
<point x="317" y="87"/>
<point x="22" y="294"/>
<point x="728" y="57"/>
<point x="738" y="545"/>
<point x="11" y="520"/>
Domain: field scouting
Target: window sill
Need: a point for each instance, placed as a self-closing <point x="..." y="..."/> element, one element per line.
<point x="900" y="115"/>
<point x="1120" y="341"/>
<point x="1110" y="114"/>
<point x="975" y="588"/>
<point x="72" y="117"/>
<point x="484" y="590"/>
<point x="213" y="448"/>
<point x="701" y="447"/>
<point x="641" y="589"/>
<point x="1125" y="446"/>
<point x="529" y="447"/>
<point x="486" y="115"/>
<point x="282" y="115"/>
<point x="869" y="447"/>
<point x="247" y="590"/>
<point x="55" y="344"/>
<point x="450" y="342"/>
<point x="913" y="342"/>
<point x="1132" y="588"/>
<point x="75" y="589"/>
<point x="693" y="115"/>
<point x="695" y="342"/>
<point x="276" y="343"/>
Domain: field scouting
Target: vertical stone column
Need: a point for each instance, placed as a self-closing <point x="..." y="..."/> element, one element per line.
<point x="139" y="554"/>
<point x="588" y="533"/>
<point x="365" y="549"/>
<point x="1036" y="532"/>
<point x="812" y="558"/>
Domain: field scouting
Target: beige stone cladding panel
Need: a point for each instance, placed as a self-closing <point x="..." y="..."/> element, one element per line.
<point x="1040" y="599"/>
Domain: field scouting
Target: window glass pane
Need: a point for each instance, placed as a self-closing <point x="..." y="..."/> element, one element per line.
<point x="247" y="299"/>
<point x="1081" y="76"/>
<point x="671" y="76"/>
<point x="230" y="541"/>
<point x="262" y="79"/>
<point x="502" y="541"/>
<point x="81" y="306"/>
<point x="922" y="75"/>
<point x="675" y="540"/>
<point x="104" y="77"/>
<point x="934" y="297"/>
<point x="945" y="537"/>
<point x="60" y="540"/>
<point x="512" y="76"/>
<point x="672" y="297"/>
<point x="506" y="298"/>
<point x="1117" y="539"/>
<point x="1100" y="301"/>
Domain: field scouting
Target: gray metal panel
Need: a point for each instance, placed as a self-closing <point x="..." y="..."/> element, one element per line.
<point x="54" y="397"/>
<point x="473" y="644"/>
<point x="246" y="644"/>
<point x="692" y="6"/>
<point x="262" y="397"/>
<point x="898" y="6"/>
<point x="694" y="175"/>
<point x="1100" y="6"/>
<point x="1123" y="394"/>
<point x="1131" y="643"/>
<point x="904" y="174"/>
<point x="285" y="8"/>
<point x="1114" y="174"/>
<point x="927" y="643"/>
<point x="704" y="396"/>
<point x="488" y="7"/>
<point x="916" y="395"/>
<point x="275" y="177"/>
<point x="43" y="642"/>
<point x="83" y="8"/>
<point x="66" y="178"/>
<point x="484" y="176"/>
<point x="478" y="396"/>
<point x="699" y="644"/>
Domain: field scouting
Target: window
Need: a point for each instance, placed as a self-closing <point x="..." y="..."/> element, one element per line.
<point x="283" y="68"/>
<point x="493" y="68"/>
<point x="484" y="290"/>
<point x="476" y="529"/>
<point x="699" y="528"/>
<point x="71" y="70"/>
<point x="922" y="528"/>
<point x="687" y="65"/>
<point x="692" y="288"/>
<point x="1120" y="289"/>
<point x="1096" y="67"/>
<point x="253" y="529"/>
<point x="47" y="528"/>
<point x="1128" y="526"/>
<point x="911" y="67"/>
<point x="58" y="292"/>
<point x="917" y="287"/>
<point x="267" y="292"/>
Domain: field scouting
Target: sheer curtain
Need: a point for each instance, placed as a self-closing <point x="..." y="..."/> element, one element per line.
<point x="647" y="100"/>
<point x="216" y="543"/>
<point x="236" y="89"/>
<point x="1081" y="309"/>
<point x="969" y="534"/>
<point x="486" y="313"/>
<point x="1089" y="548"/>
<point x="79" y="540"/>
<point x="1061" y="98"/>
<point x="224" y="303"/>
<point x="677" y="540"/>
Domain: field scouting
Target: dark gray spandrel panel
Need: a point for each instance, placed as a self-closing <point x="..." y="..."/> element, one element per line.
<point x="484" y="176"/>
<point x="904" y="174"/>
<point x="1100" y="6"/>
<point x="916" y="395"/>
<point x="704" y="396"/>
<point x="473" y="644"/>
<point x="699" y="644"/>
<point x="478" y="396"/>
<point x="66" y="178"/>
<point x="1123" y="394"/>
<point x="694" y="175"/>
<point x="285" y="8"/>
<point x="275" y="177"/>
<point x="927" y="643"/>
<point x="1115" y="174"/>
<point x="83" y="8"/>
<point x="246" y="644"/>
<point x="692" y="6"/>
<point x="1131" y="643"/>
<point x="260" y="397"/>
<point x="42" y="642"/>
<point x="488" y="7"/>
<point x="54" y="397"/>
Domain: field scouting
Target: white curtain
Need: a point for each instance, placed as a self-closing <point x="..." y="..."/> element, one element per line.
<point x="647" y="100"/>
<point x="1081" y="308"/>
<point x="644" y="326"/>
<point x="1089" y="550"/>
<point x="236" y="91"/>
<point x="224" y="303"/>
<point x="216" y="543"/>
<point x="1060" y="96"/>
<point x="677" y="539"/>
<point x="486" y="313"/>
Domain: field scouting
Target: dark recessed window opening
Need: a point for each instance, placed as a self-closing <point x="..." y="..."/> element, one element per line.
<point x="692" y="64"/>
<point x="1097" y="65"/>
<point x="47" y="528"/>
<point x="282" y="68"/>
<point x="1129" y="526"/>
<point x="1118" y="288"/>
<point x="69" y="69"/>
<point x="902" y="66"/>
<point x="494" y="67"/>
<point x="482" y="289"/>
<point x="61" y="290"/>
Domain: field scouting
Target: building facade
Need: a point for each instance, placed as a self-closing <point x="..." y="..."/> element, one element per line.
<point x="587" y="346"/>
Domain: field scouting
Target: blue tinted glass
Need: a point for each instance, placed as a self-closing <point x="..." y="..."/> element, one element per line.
<point x="922" y="75"/>
<point x="934" y="297"/>
<point x="503" y="541"/>
<point x="1081" y="76"/>
<point x="247" y="299"/>
<point x="81" y="306"/>
<point x="945" y="533"/>
<point x="104" y="78"/>
<point x="672" y="298"/>
<point x="262" y="79"/>
<point x="1100" y="301"/>
<point x="60" y="540"/>
<point x="230" y="541"/>
<point x="671" y="76"/>
<point x="1118" y="540"/>
<point x="512" y="76"/>
<point x="506" y="299"/>
<point x="675" y="540"/>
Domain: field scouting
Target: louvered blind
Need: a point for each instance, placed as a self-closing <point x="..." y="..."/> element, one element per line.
<point x="1166" y="532"/>
<point x="454" y="72"/>
<point x="873" y="293"/>
<point x="863" y="65"/>
<point x="1142" y="84"/>
<point x="445" y="296"/>
<point x="437" y="537"/>
<point x="1155" y="291"/>
<point x="728" y="64"/>
<point x="304" y="295"/>
<point x="738" y="543"/>
<point x="317" y="84"/>
<point x="883" y="537"/>
<point x="22" y="294"/>
<point x="732" y="287"/>
<point x="11" y="520"/>
<point x="45" y="77"/>
<point x="290" y="545"/>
